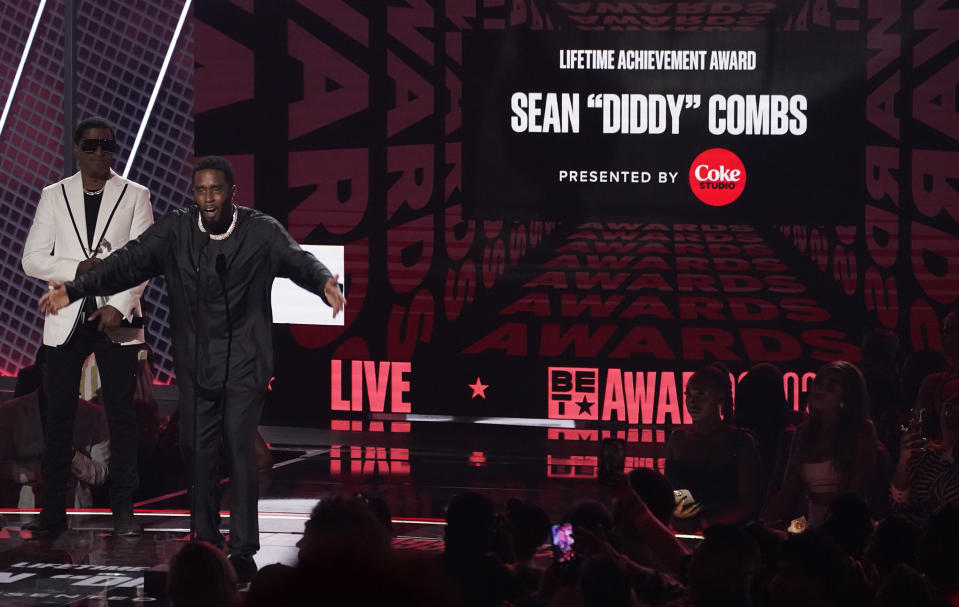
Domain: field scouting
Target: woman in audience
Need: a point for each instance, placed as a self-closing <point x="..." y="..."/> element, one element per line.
<point x="927" y="475"/>
<point x="916" y="368"/>
<point x="833" y="452"/>
<point x="716" y="463"/>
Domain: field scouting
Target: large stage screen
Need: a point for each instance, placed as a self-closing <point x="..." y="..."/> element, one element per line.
<point x="559" y="210"/>
<point x="696" y="126"/>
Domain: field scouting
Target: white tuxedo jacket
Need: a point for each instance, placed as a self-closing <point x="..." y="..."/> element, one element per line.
<point x="57" y="243"/>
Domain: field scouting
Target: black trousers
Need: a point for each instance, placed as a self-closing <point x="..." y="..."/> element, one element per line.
<point x="231" y="420"/>
<point x="61" y="381"/>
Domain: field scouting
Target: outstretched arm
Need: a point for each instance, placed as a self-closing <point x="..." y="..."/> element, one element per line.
<point x="135" y="262"/>
<point x="657" y="536"/>
<point x="306" y="270"/>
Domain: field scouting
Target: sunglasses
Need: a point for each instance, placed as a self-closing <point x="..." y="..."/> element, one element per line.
<point x="90" y="146"/>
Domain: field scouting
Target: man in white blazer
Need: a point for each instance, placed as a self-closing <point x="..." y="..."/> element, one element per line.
<point x="79" y="221"/>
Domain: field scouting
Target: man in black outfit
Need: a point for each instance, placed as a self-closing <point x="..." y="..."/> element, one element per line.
<point x="219" y="261"/>
<point x="79" y="222"/>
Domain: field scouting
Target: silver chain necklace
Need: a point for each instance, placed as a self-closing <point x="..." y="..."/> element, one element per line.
<point x="224" y="235"/>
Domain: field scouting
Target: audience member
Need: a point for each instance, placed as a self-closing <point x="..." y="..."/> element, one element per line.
<point x="934" y="389"/>
<point x="530" y="529"/>
<point x="603" y="582"/>
<point x="380" y="509"/>
<point x="201" y="576"/>
<point x="22" y="442"/>
<point x="849" y="522"/>
<point x="345" y="559"/>
<point x="637" y="523"/>
<point x="762" y="410"/>
<point x="939" y="553"/>
<point x="656" y="492"/>
<point x="895" y="541"/>
<point x="721" y="569"/>
<point x="591" y="515"/>
<point x="270" y="583"/>
<point x="905" y="587"/>
<point x="813" y="572"/>
<point x="927" y="474"/>
<point x="480" y="576"/>
<point x="716" y="462"/>
<point x="769" y="542"/>
<point x="340" y="523"/>
<point x="915" y="369"/>
<point x="834" y="452"/>
<point x="650" y="586"/>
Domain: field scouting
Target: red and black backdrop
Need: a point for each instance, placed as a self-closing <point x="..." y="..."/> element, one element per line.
<point x="534" y="197"/>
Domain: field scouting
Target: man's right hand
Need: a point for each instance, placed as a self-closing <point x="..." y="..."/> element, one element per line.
<point x="86" y="265"/>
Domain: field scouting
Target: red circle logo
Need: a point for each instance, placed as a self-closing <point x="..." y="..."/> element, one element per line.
<point x="717" y="177"/>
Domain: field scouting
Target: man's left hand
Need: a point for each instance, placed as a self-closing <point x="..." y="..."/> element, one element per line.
<point x="54" y="300"/>
<point x="333" y="294"/>
<point x="108" y="318"/>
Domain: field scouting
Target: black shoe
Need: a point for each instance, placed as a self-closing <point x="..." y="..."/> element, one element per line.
<point x="40" y="527"/>
<point x="244" y="567"/>
<point x="125" y="525"/>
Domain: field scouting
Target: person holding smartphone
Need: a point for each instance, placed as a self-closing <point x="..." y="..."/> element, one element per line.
<point x="927" y="473"/>
<point x="711" y="459"/>
<point x="936" y="388"/>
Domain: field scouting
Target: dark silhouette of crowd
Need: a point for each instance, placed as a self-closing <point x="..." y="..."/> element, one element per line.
<point x="624" y="556"/>
<point x="853" y="501"/>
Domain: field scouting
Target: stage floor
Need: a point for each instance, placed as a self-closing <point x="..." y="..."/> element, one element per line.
<point x="415" y="465"/>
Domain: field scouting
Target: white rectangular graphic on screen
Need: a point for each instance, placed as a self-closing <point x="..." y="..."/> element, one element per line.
<point x="297" y="306"/>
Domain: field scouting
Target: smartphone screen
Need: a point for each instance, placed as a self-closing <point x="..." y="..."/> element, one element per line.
<point x="563" y="551"/>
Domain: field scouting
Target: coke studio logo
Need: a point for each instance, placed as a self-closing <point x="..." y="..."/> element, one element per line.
<point x="717" y="177"/>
